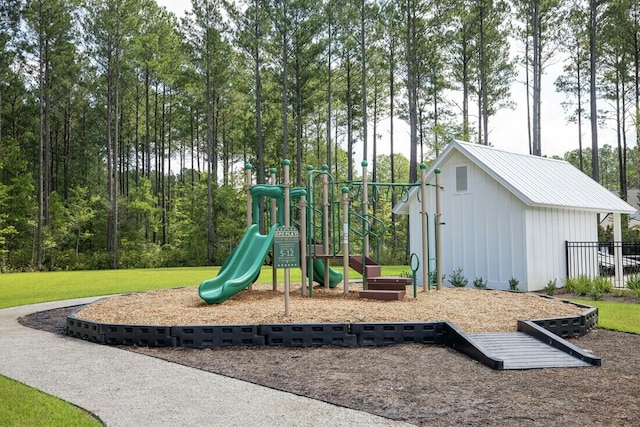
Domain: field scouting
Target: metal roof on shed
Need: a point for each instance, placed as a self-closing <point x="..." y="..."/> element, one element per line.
<point x="539" y="181"/>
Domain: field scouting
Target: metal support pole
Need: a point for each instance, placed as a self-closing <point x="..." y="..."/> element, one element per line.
<point x="345" y="239"/>
<point x="325" y="222"/>
<point x="365" y="227"/>
<point x="248" y="185"/>
<point x="287" y="199"/>
<point x="274" y="219"/>
<point x="311" y="250"/>
<point x="438" y="231"/>
<point x="423" y="221"/>
<point x="365" y="206"/>
<point x="303" y="241"/>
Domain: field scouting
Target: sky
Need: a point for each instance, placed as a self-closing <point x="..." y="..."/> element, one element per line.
<point x="508" y="128"/>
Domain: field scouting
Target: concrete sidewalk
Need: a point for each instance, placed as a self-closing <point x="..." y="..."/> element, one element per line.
<point x="129" y="389"/>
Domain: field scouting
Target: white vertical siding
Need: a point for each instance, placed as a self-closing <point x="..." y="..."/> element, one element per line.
<point x="490" y="233"/>
<point x="485" y="230"/>
<point x="547" y="231"/>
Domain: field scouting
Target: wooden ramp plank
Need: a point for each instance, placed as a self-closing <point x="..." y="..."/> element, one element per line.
<point x="522" y="351"/>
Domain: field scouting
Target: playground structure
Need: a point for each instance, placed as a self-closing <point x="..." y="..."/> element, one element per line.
<point x="539" y="343"/>
<point x="323" y="225"/>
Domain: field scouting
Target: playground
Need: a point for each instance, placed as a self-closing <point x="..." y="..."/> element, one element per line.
<point x="425" y="385"/>
<point x="233" y="312"/>
<point x="313" y="226"/>
<point x="416" y="383"/>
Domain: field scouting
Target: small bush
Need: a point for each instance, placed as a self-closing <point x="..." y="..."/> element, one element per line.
<point x="595" y="294"/>
<point x="433" y="277"/>
<point x="550" y="289"/>
<point x="513" y="284"/>
<point x="633" y="283"/>
<point x="480" y="283"/>
<point x="602" y="284"/>
<point x="580" y="285"/>
<point x="457" y="279"/>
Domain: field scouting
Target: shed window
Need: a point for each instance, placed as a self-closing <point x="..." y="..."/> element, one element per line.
<point x="461" y="179"/>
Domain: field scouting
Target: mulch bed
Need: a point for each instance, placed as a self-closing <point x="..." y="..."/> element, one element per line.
<point x="470" y="309"/>
<point x="430" y="385"/>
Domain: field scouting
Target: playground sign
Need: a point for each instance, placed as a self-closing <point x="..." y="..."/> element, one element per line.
<point x="286" y="247"/>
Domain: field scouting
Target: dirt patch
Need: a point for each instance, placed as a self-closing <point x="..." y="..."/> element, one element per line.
<point x="471" y="309"/>
<point x="431" y="385"/>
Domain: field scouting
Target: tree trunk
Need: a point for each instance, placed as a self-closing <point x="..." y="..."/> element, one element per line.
<point x="535" y="30"/>
<point x="41" y="148"/>
<point x="329" y="57"/>
<point x="483" y="81"/>
<point x="528" y="89"/>
<point x="363" y="81"/>
<point x="595" y="170"/>
<point x="298" y="110"/>
<point x="115" y="187"/>
<point x="465" y="91"/>
<point x="349" y="123"/>
<point x="579" y="79"/>
<point x="412" y="92"/>
<point x="285" y="97"/>
<point x="258" y="83"/>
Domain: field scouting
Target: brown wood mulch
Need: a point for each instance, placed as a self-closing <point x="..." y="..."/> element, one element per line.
<point x="472" y="310"/>
<point x="423" y="385"/>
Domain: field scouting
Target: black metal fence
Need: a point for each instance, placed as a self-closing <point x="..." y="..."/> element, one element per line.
<point x="618" y="260"/>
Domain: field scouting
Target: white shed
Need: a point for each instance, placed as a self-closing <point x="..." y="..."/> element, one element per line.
<point x="508" y="215"/>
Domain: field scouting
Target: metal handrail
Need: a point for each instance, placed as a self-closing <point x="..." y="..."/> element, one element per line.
<point x="368" y="229"/>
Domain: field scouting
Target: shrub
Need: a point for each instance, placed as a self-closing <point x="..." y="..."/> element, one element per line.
<point x="433" y="278"/>
<point x="602" y="284"/>
<point x="457" y="279"/>
<point x="513" y="284"/>
<point x="480" y="283"/>
<point x="550" y="289"/>
<point x="595" y="294"/>
<point x="580" y="285"/>
<point x="633" y="283"/>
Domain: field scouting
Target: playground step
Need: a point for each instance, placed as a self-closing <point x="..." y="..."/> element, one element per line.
<point x="406" y="281"/>
<point x="385" y="295"/>
<point x="372" y="268"/>
<point x="377" y="286"/>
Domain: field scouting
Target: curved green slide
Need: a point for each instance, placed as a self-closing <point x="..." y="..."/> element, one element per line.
<point x="241" y="269"/>
<point x="335" y="277"/>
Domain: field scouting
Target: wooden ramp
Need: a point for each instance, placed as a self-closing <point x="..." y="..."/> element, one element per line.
<point x="518" y="350"/>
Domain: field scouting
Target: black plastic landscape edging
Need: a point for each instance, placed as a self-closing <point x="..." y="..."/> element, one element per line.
<point x="332" y="334"/>
<point x="532" y="328"/>
<point x="459" y="341"/>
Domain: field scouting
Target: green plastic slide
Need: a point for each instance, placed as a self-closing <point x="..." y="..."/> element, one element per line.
<point x="335" y="277"/>
<point x="241" y="269"/>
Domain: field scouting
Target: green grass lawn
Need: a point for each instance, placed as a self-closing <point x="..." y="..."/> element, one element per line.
<point x="617" y="316"/>
<point x="23" y="406"/>
<point x="30" y="288"/>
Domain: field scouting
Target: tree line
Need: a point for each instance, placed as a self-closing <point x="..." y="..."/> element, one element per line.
<point x="124" y="129"/>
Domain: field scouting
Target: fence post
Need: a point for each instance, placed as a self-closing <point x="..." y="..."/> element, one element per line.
<point x="566" y="257"/>
<point x="617" y="251"/>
